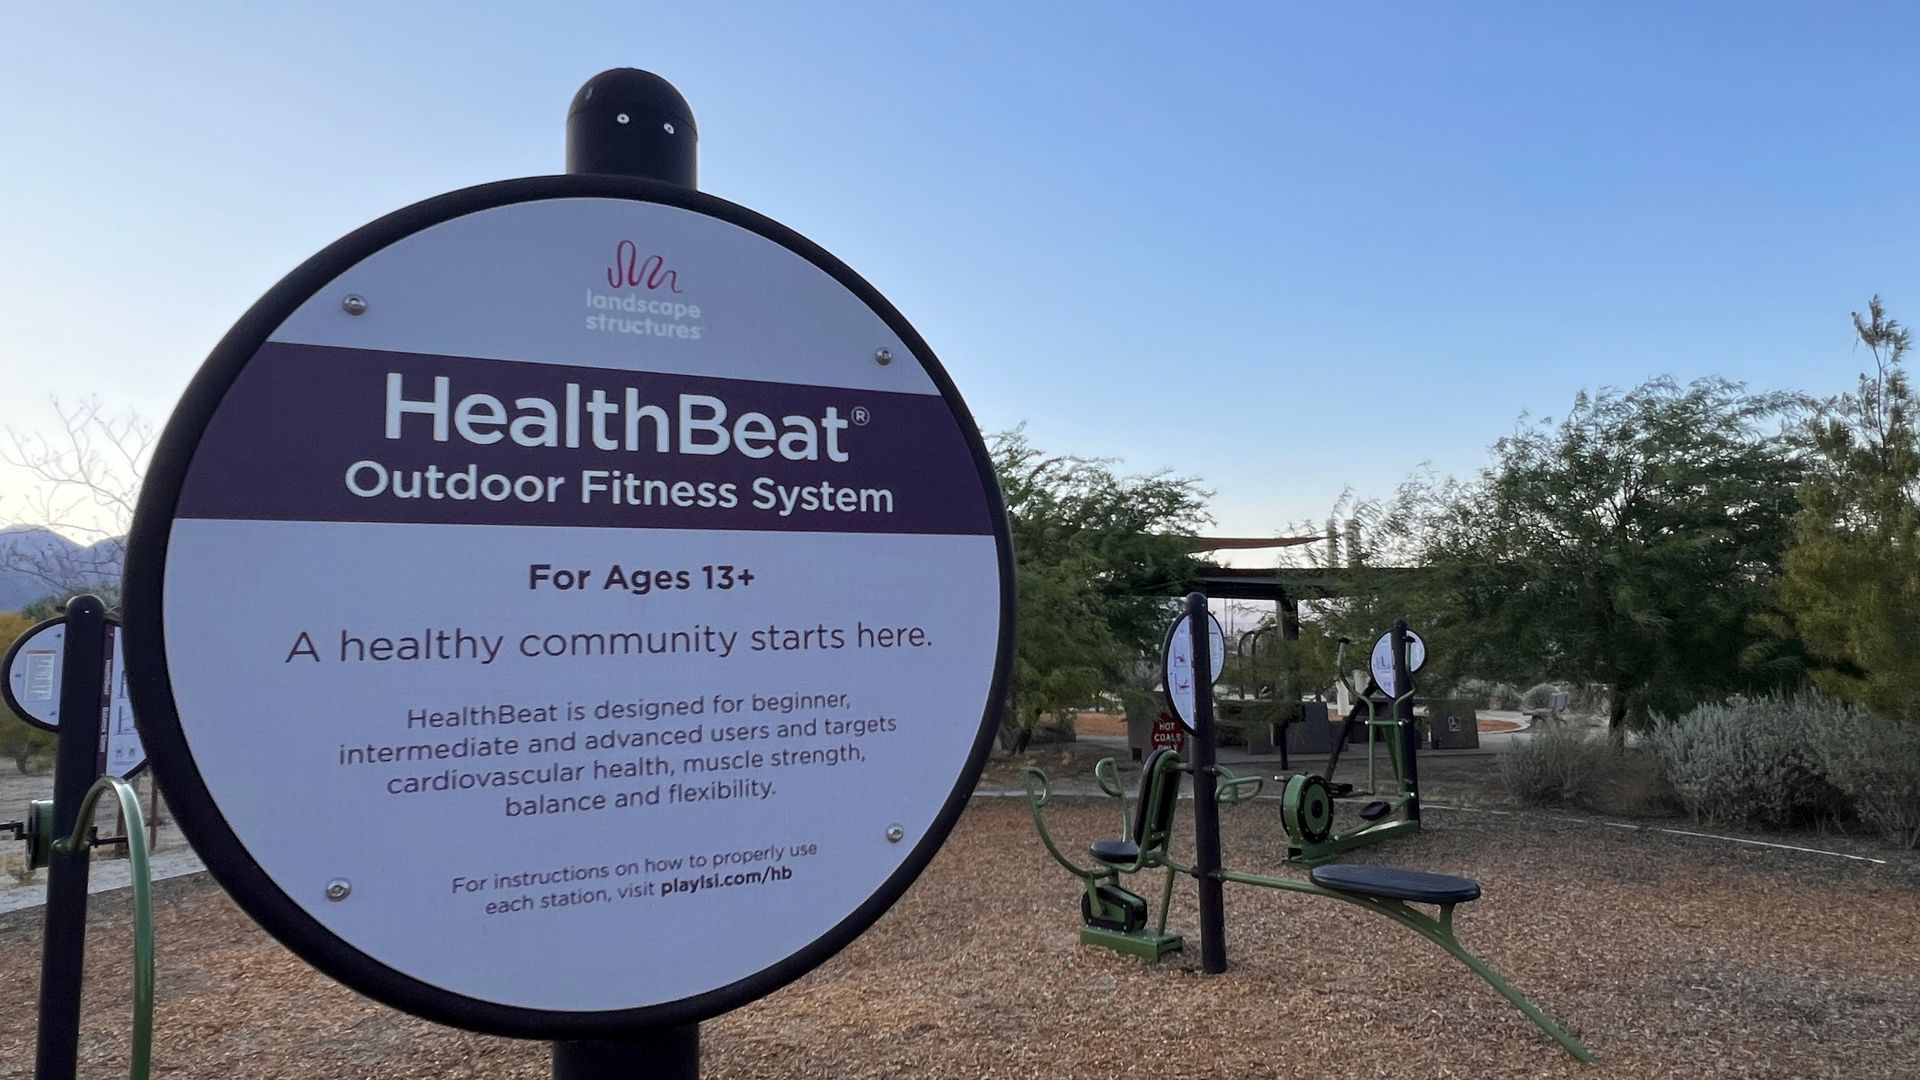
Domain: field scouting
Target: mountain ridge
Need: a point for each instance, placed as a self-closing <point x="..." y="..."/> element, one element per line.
<point x="37" y="562"/>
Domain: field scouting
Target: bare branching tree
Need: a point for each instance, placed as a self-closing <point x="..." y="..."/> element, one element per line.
<point x="82" y="482"/>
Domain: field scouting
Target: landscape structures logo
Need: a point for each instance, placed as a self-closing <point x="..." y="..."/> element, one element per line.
<point x="645" y="297"/>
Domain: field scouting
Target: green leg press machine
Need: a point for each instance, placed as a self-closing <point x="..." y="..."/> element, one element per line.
<point x="1117" y="918"/>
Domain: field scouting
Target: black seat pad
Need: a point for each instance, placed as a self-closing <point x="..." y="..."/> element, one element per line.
<point x="1395" y="884"/>
<point x="1117" y="852"/>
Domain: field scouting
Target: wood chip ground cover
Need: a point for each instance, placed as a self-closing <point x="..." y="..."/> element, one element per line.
<point x="1668" y="956"/>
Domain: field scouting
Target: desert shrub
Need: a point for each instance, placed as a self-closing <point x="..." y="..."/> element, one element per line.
<point x="1054" y="728"/>
<point x="1489" y="695"/>
<point x="1538" y="695"/>
<point x="1876" y="761"/>
<point x="22" y="744"/>
<point x="1559" y="765"/>
<point x="1752" y="761"/>
<point x="1634" y="786"/>
<point x="1590" y="699"/>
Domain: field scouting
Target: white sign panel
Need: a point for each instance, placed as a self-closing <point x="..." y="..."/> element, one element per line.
<point x="32" y="686"/>
<point x="598" y="617"/>
<point x="1179" y="665"/>
<point x="1383" y="675"/>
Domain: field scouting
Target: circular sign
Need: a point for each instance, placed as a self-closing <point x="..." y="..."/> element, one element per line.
<point x="1383" y="676"/>
<point x="31" y="687"/>
<point x="1177" y="665"/>
<point x="568" y="606"/>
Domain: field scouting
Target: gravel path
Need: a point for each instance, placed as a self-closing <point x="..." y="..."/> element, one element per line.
<point x="1670" y="957"/>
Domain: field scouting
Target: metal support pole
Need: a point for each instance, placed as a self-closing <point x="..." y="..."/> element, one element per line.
<point x="628" y="122"/>
<point x="153" y="812"/>
<point x="1206" y="807"/>
<point x="1403" y="711"/>
<point x="661" y="1054"/>
<point x="78" y="762"/>
<point x="1294" y="712"/>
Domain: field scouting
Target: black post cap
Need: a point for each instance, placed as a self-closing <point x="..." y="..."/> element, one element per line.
<point x="629" y="122"/>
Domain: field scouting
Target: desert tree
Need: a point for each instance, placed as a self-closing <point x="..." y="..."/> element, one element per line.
<point x="1850" y="586"/>
<point x="1099" y="556"/>
<point x="1633" y="544"/>
<point x="83" y="481"/>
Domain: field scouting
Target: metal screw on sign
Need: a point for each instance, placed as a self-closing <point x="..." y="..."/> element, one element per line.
<point x="895" y="833"/>
<point x="883" y="357"/>
<point x="354" y="304"/>
<point x="339" y="889"/>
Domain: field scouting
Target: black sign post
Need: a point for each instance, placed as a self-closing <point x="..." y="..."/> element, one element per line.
<point x="628" y="122"/>
<point x="1206" y="808"/>
<point x="1403" y="712"/>
<point x="79" y="761"/>
<point x="665" y="1053"/>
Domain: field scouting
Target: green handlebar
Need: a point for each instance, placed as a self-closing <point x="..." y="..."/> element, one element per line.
<point x="1232" y="787"/>
<point x="1340" y="668"/>
<point x="78" y="840"/>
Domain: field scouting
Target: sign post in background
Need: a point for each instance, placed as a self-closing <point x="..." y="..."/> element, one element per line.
<point x="1407" y="653"/>
<point x="1194" y="645"/>
<point x="1180" y="659"/>
<point x="83" y="714"/>
<point x="1386" y="674"/>
<point x="32" y="682"/>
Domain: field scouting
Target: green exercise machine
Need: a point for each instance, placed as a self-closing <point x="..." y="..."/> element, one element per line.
<point x="1307" y="800"/>
<point x="1118" y="918"/>
<point x="1111" y="915"/>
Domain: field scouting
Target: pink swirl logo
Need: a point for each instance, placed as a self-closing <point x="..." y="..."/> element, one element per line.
<point x="630" y="271"/>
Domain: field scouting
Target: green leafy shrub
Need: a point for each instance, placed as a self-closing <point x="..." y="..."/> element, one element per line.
<point x="1754" y="761"/>
<point x="1559" y="765"/>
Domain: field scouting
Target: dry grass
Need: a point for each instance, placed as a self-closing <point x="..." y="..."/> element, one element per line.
<point x="1670" y="957"/>
<point x="1095" y="723"/>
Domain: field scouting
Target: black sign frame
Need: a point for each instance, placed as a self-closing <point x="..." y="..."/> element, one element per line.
<point x="159" y="722"/>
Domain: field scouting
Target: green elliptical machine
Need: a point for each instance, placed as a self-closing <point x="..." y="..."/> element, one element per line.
<point x="1307" y="800"/>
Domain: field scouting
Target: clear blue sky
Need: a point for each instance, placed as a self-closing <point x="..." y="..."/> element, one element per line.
<point x="1346" y="242"/>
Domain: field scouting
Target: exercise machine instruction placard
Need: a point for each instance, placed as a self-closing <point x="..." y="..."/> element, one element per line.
<point x="34" y="668"/>
<point x="577" y="604"/>
<point x="1382" y="661"/>
<point x="1177" y="665"/>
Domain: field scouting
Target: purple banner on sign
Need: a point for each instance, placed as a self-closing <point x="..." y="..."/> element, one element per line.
<point x="316" y="433"/>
